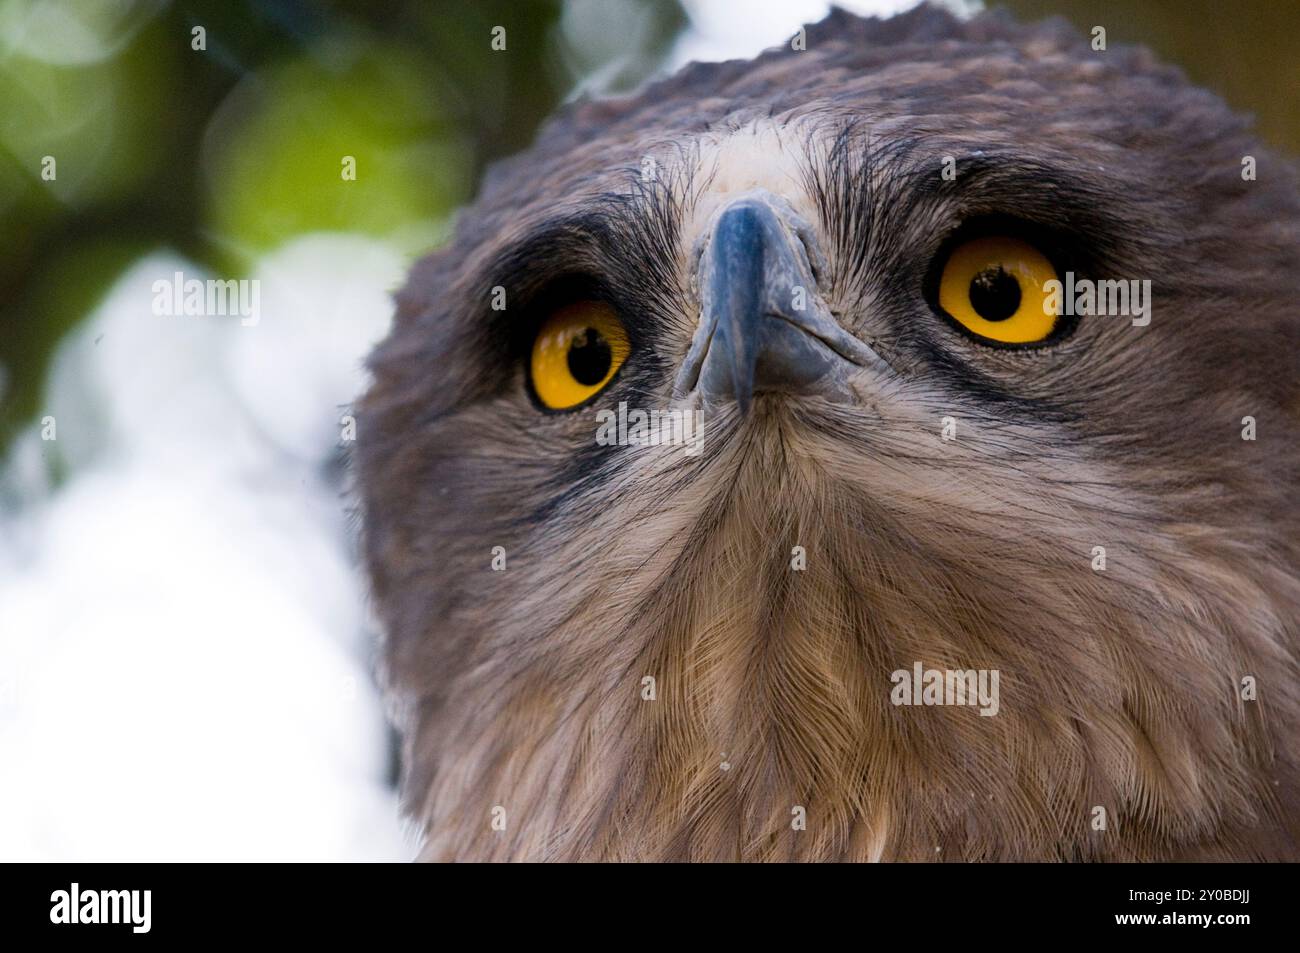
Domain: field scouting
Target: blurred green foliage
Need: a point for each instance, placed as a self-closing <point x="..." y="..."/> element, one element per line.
<point x="346" y="104"/>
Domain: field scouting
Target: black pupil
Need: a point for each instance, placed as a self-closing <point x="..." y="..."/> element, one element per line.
<point x="589" y="358"/>
<point x="994" y="294"/>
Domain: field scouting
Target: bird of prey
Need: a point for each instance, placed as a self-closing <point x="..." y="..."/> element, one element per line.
<point x="915" y="454"/>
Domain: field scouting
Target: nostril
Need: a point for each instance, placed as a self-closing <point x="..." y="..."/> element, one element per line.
<point x="810" y="246"/>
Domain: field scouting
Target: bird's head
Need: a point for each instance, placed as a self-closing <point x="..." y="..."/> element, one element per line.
<point x="823" y="277"/>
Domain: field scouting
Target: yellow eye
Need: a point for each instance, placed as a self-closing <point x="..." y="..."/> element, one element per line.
<point x="576" y="352"/>
<point x="993" y="287"/>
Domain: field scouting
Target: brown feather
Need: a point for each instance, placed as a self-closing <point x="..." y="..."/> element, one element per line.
<point x="522" y="689"/>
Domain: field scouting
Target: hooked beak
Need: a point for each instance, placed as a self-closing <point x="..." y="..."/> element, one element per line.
<point x="763" y="326"/>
